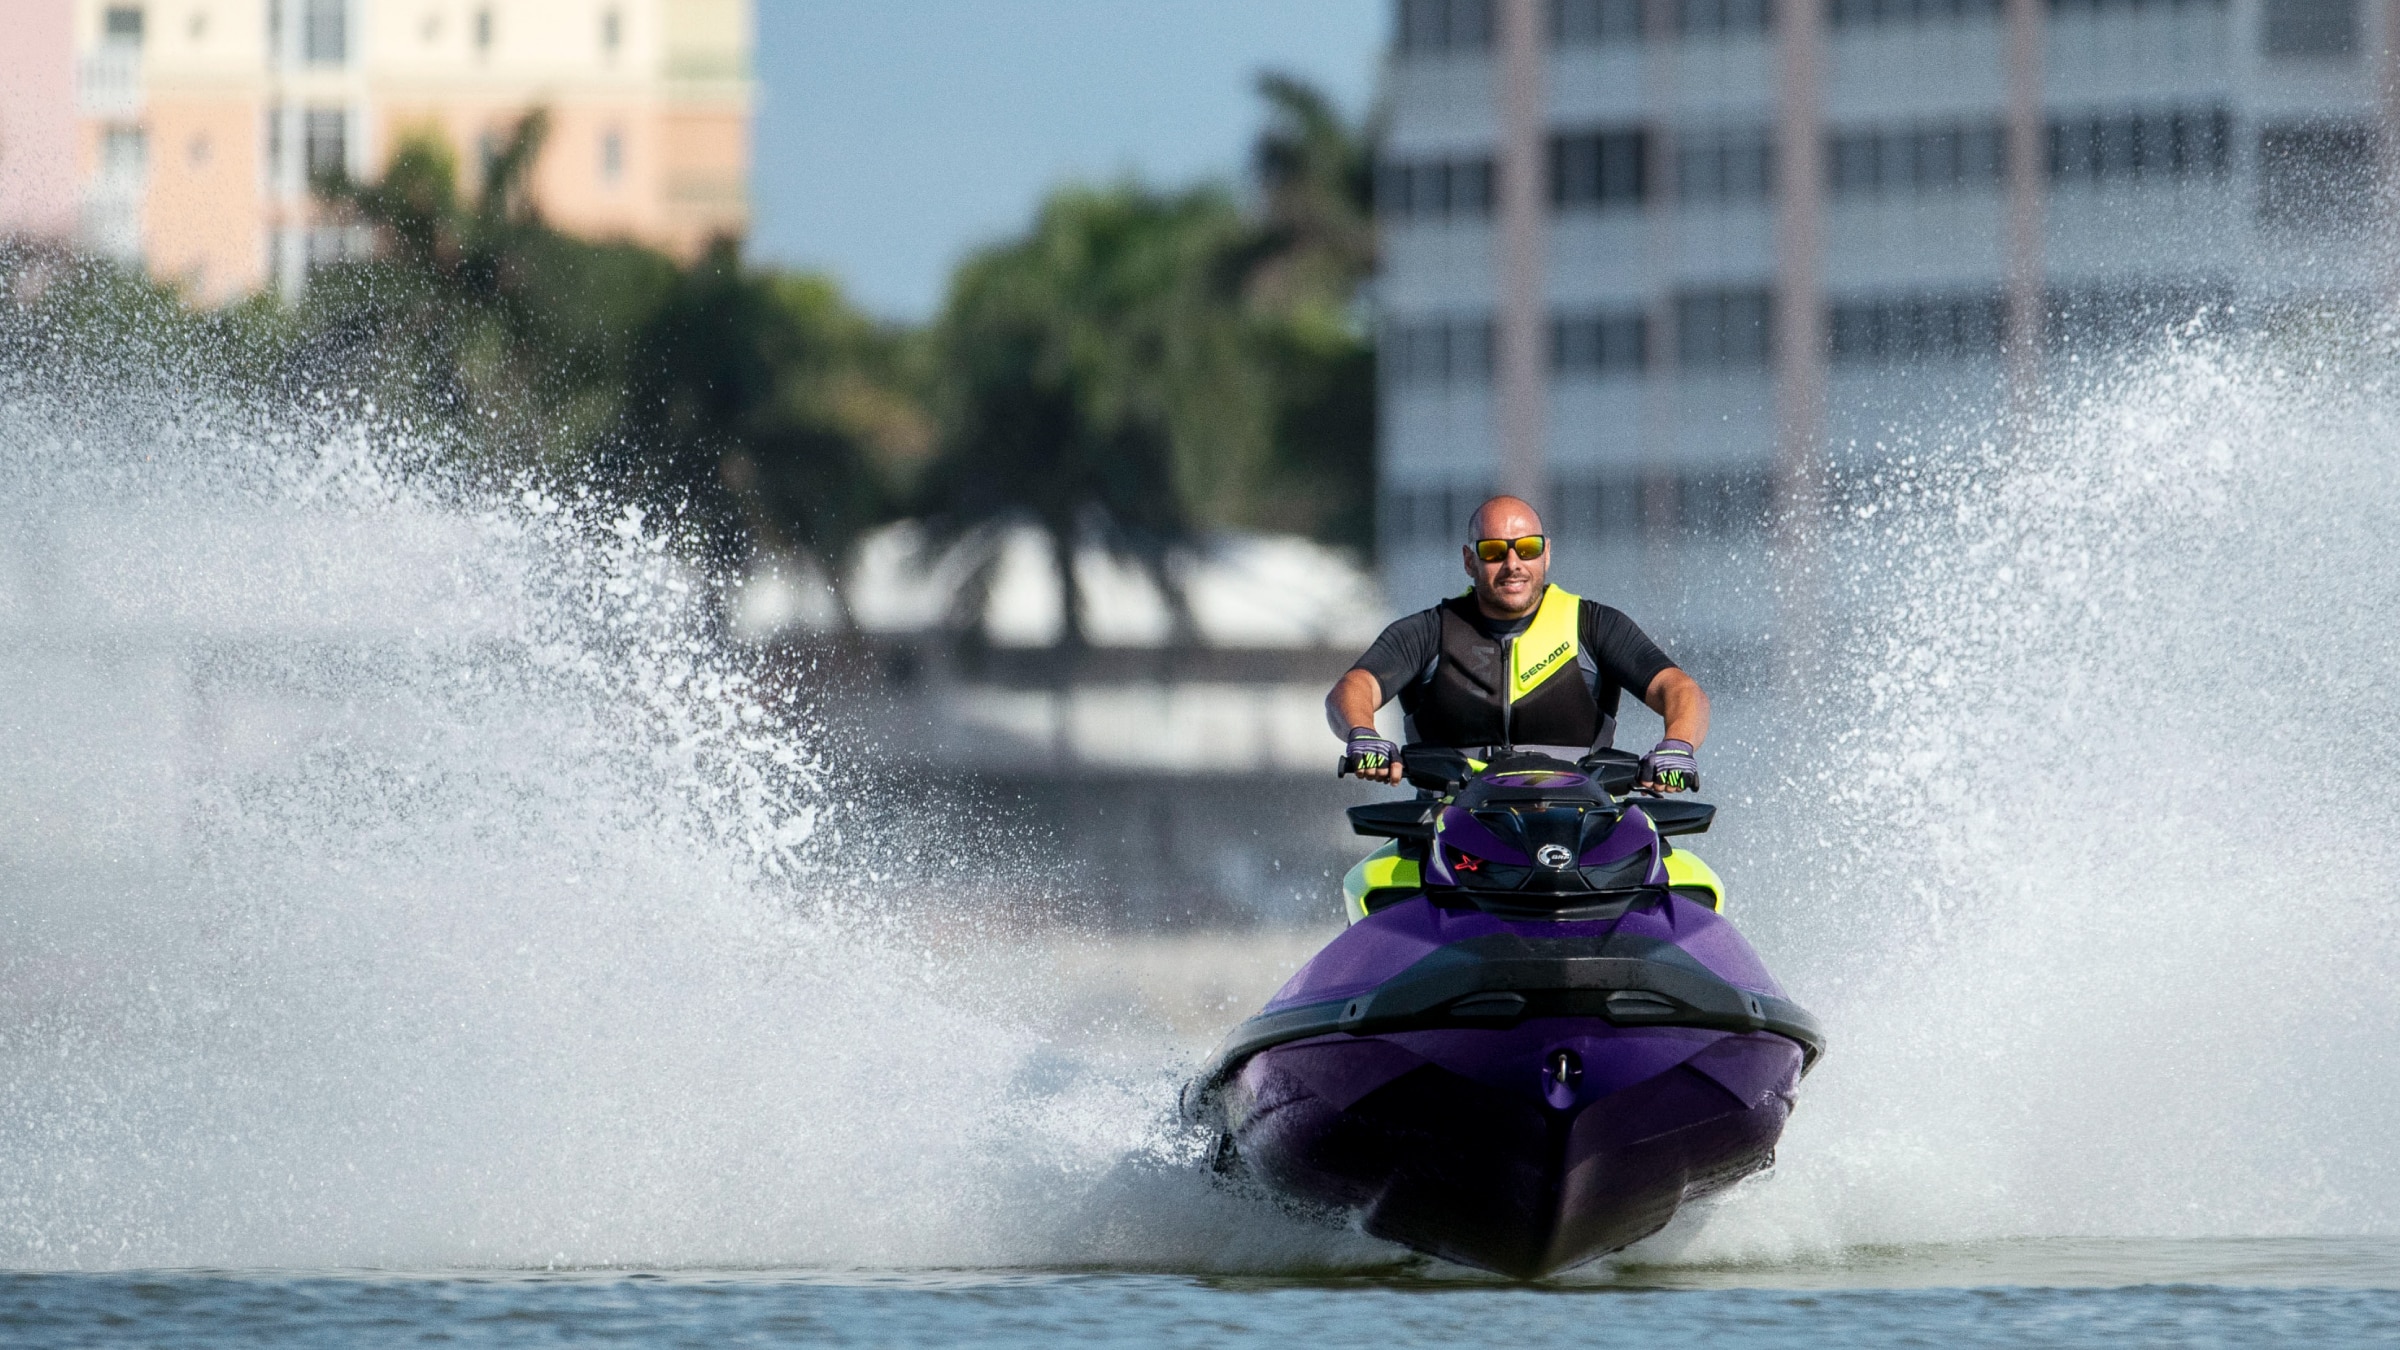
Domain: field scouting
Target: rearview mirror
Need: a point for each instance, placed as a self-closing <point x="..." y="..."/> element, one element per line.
<point x="1677" y="815"/>
<point x="1435" y="768"/>
<point x="1615" y="771"/>
<point x="1394" y="820"/>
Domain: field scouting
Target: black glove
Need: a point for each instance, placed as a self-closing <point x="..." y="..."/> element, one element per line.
<point x="1671" y="766"/>
<point x="1368" y="750"/>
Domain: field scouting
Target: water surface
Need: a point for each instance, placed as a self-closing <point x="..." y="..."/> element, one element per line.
<point x="2058" y="1293"/>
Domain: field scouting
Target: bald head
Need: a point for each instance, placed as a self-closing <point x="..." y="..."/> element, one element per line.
<point x="1509" y="586"/>
<point x="1503" y="518"/>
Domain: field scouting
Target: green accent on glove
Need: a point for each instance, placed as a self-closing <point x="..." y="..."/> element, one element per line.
<point x="1671" y="766"/>
<point x="1368" y="751"/>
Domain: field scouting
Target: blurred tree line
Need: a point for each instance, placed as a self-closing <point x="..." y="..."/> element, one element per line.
<point x="1139" y="368"/>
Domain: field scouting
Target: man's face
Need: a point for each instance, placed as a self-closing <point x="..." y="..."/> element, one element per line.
<point x="1511" y="587"/>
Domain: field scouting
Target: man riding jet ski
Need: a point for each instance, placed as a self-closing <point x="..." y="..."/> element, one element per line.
<point x="1538" y="1037"/>
<point x="1514" y="662"/>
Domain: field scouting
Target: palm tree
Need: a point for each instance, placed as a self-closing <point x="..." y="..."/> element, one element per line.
<point x="474" y="309"/>
<point x="1096" y="380"/>
<point x="768" y="413"/>
<point x="1316" y="176"/>
<point x="1310" y="258"/>
<point x="756" y="407"/>
<point x="1144" y="366"/>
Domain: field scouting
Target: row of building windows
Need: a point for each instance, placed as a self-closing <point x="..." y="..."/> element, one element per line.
<point x="1611" y="168"/>
<point x="323" y="34"/>
<point x="1600" y="168"/>
<point x="1574" y="22"/>
<point x="1921" y="329"/>
<point x="1585" y="21"/>
<point x="1733" y="329"/>
<point x="1437" y="351"/>
<point x="2167" y="143"/>
<point x="2287" y="28"/>
<point x="1600" y="344"/>
<point x="1435" y="189"/>
<point x="1715" y="329"/>
<point x="2064" y="7"/>
<point x="1721" y="18"/>
<point x="324" y="31"/>
<point x="1923" y="158"/>
<point x="2319" y="175"/>
<point x="1724" y="329"/>
<point x="1424" y="26"/>
<point x="1915" y="329"/>
<point x="2115" y="147"/>
<point x="2104" y="316"/>
<point x="2310" y="28"/>
<point x="1876" y="13"/>
<point x="323" y="141"/>
<point x="323" y="145"/>
<point x="1427" y="26"/>
<point x="1933" y="328"/>
<point x="1598" y="504"/>
<point x="1725" y="165"/>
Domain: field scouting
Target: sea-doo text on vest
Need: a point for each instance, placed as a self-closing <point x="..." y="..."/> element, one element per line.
<point x="1525" y="690"/>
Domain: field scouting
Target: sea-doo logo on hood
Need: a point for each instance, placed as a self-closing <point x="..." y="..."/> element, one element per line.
<point x="1553" y="856"/>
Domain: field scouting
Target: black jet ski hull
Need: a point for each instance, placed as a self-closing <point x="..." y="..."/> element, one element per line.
<point x="1466" y="1144"/>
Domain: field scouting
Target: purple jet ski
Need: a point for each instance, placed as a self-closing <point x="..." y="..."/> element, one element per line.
<point x="1534" y="1056"/>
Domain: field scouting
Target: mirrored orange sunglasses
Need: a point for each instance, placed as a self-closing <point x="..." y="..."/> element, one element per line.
<point x="1529" y="548"/>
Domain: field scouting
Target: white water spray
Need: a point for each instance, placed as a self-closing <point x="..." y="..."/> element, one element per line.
<point x="2093" y="873"/>
<point x="400" y="876"/>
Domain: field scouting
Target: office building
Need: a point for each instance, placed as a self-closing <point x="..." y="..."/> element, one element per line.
<point x="1658" y="263"/>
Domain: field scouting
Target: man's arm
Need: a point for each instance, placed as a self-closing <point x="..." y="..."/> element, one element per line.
<point x="1679" y="699"/>
<point x="1353" y="703"/>
<point x="1355" y="699"/>
<point x="1401" y="653"/>
<point x="1627" y="655"/>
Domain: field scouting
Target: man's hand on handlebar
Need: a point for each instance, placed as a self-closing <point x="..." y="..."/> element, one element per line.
<point x="1371" y="757"/>
<point x="1670" y="767"/>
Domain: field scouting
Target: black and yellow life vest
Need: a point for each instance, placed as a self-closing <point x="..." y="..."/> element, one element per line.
<point x="1529" y="690"/>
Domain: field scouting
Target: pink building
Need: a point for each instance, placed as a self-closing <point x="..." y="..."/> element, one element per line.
<point x="182" y="134"/>
<point x="39" y="172"/>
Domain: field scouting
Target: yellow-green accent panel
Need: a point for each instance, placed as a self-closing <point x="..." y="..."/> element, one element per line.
<point x="1687" y="873"/>
<point x="1548" y="644"/>
<point x="1382" y="870"/>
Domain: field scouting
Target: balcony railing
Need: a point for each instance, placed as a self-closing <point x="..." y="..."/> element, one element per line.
<point x="108" y="82"/>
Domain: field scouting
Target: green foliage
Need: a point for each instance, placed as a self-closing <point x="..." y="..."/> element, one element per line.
<point x="1075" y="369"/>
<point x="756" y="406"/>
<point x="1316" y="176"/>
<point x="1142" y="367"/>
<point x="1145" y="366"/>
<point x="769" y="410"/>
<point x="64" y="317"/>
<point x="1315" y="248"/>
<point x="476" y="313"/>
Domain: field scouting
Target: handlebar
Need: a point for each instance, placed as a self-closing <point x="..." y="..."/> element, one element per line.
<point x="1444" y="769"/>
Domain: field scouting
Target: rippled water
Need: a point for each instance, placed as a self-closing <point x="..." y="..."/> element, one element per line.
<point x="2070" y="1294"/>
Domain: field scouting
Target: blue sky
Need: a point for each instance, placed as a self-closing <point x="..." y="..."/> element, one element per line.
<point x="895" y="135"/>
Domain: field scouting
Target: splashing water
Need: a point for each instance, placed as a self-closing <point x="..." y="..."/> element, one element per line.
<point x="402" y="875"/>
<point x="2094" y="873"/>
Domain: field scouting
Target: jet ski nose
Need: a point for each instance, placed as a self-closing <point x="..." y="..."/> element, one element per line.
<point x="1562" y="1073"/>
